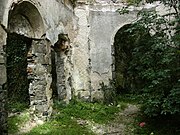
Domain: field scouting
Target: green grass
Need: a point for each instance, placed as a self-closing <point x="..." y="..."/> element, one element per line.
<point x="130" y="99"/>
<point x="15" y="106"/>
<point x="164" y="125"/>
<point x="17" y="120"/>
<point x="96" y="112"/>
<point x="64" y="118"/>
<point x="64" y="126"/>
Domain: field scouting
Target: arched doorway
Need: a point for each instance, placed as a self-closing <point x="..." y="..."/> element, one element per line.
<point x="123" y="45"/>
<point x="125" y="40"/>
<point x="28" y="60"/>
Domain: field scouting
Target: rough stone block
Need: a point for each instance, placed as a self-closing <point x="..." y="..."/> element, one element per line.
<point x="41" y="58"/>
<point x="2" y="95"/>
<point x="2" y="74"/>
<point x="40" y="47"/>
<point x="2" y="61"/>
<point x="84" y="95"/>
<point x="97" y="96"/>
<point x="40" y="70"/>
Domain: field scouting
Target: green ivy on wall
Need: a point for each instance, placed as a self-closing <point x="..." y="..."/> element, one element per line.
<point x="17" y="82"/>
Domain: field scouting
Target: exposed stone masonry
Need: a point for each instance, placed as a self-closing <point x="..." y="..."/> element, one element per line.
<point x="40" y="78"/>
<point x="78" y="69"/>
<point x="62" y="60"/>
<point x="3" y="90"/>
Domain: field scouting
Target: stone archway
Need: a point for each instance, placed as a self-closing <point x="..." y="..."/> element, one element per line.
<point x="122" y="54"/>
<point x="123" y="46"/>
<point x="30" y="59"/>
<point x="125" y="40"/>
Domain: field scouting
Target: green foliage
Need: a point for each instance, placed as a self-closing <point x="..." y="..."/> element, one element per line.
<point x="15" y="121"/>
<point x="157" y="126"/>
<point x="109" y="92"/>
<point x="64" y="118"/>
<point x="14" y="106"/>
<point x="17" y="82"/>
<point x="65" y="126"/>
<point x="96" y="112"/>
<point x="155" y="63"/>
<point x="130" y="98"/>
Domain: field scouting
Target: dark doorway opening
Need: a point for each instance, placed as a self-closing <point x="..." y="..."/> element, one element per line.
<point x="125" y="41"/>
<point x="17" y="78"/>
<point x="123" y="45"/>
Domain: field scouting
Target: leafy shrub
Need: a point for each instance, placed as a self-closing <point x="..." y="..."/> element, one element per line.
<point x="109" y="91"/>
<point x="155" y="61"/>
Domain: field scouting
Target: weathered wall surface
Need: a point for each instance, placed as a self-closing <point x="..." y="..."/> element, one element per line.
<point x="81" y="72"/>
<point x="91" y="27"/>
<point x="104" y="22"/>
<point x="93" y="47"/>
<point x="57" y="17"/>
<point x="93" y="61"/>
<point x="3" y="92"/>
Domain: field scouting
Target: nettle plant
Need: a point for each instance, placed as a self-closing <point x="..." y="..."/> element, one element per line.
<point x="156" y="60"/>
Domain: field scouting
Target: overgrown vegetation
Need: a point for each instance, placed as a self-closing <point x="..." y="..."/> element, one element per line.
<point x="155" y="63"/>
<point x="154" y="68"/>
<point x="15" y="121"/>
<point x="164" y="125"/>
<point x="63" y="126"/>
<point x="109" y="93"/>
<point x="65" y="117"/>
<point x="69" y="119"/>
<point x="17" y="82"/>
<point x="16" y="107"/>
<point x="152" y="72"/>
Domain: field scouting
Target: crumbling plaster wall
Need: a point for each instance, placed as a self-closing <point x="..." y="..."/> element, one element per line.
<point x="105" y="22"/>
<point x="93" y="46"/>
<point x="58" y="17"/>
<point x="91" y="27"/>
<point x="3" y="78"/>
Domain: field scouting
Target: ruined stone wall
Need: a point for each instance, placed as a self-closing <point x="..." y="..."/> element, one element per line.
<point x="57" y="17"/>
<point x="3" y="90"/>
<point x="104" y="24"/>
<point x="93" y="52"/>
<point x="93" y="47"/>
<point x="3" y="78"/>
<point x="91" y="27"/>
